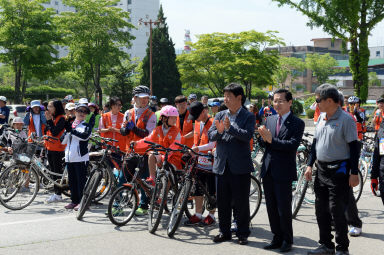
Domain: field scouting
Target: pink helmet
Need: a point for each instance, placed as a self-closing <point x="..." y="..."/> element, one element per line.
<point x="169" y="111"/>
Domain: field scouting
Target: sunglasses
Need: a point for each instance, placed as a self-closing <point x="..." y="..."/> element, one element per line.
<point x="318" y="100"/>
<point x="82" y="111"/>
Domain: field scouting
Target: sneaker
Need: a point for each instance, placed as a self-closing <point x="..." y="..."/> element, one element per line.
<point x="117" y="211"/>
<point x="323" y="250"/>
<point x="70" y="206"/>
<point x="234" y="227"/>
<point x="354" y="231"/>
<point x="208" y="221"/>
<point x="77" y="207"/>
<point x="194" y="220"/>
<point x="150" y="181"/>
<point x="53" y="199"/>
<point x="342" y="253"/>
<point x="141" y="212"/>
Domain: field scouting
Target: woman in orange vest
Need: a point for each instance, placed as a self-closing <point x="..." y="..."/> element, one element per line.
<point x="111" y="122"/>
<point x="378" y="116"/>
<point x="353" y="111"/>
<point x="165" y="134"/>
<point x="55" y="127"/>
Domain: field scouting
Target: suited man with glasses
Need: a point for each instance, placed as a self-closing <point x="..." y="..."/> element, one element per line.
<point x="282" y="135"/>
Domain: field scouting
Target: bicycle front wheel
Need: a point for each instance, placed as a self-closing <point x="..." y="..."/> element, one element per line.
<point x="255" y="196"/>
<point x="16" y="189"/>
<point x="122" y="205"/>
<point x="158" y="201"/>
<point x="179" y="208"/>
<point x="89" y="193"/>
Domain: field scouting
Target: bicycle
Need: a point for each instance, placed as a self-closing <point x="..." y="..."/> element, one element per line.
<point x="99" y="170"/>
<point x="24" y="174"/>
<point x="192" y="169"/>
<point x="125" y="199"/>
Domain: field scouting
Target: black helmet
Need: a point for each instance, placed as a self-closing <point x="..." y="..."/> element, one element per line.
<point x="141" y="89"/>
<point x="164" y="100"/>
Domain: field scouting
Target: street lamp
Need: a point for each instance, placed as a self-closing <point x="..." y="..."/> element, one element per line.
<point x="159" y="23"/>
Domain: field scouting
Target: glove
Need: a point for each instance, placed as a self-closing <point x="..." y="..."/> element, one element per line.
<point x="374" y="186"/>
<point x="130" y="125"/>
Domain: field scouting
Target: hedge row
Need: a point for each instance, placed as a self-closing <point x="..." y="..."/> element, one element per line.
<point x="42" y="92"/>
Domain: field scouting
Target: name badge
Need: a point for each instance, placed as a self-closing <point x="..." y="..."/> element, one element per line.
<point x="381" y="146"/>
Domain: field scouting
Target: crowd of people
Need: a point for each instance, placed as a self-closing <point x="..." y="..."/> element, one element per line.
<point x="225" y="129"/>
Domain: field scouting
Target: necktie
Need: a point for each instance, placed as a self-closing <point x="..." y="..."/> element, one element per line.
<point x="278" y="126"/>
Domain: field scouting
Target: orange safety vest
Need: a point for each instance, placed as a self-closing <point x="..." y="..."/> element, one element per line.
<point x="187" y="128"/>
<point x="364" y="126"/>
<point x="32" y="129"/>
<point x="201" y="139"/>
<point x="317" y="114"/>
<point x="378" y="121"/>
<point x="141" y="123"/>
<point x="107" y="122"/>
<point x="359" y="127"/>
<point x="55" y="145"/>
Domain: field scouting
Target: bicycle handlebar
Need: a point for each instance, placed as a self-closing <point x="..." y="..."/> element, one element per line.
<point x="186" y="148"/>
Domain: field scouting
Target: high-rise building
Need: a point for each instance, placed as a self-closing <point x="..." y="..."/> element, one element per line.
<point x="145" y="9"/>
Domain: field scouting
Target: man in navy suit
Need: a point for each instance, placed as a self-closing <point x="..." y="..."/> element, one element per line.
<point x="232" y="131"/>
<point x="281" y="134"/>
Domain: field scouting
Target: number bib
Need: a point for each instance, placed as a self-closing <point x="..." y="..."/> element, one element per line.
<point x="204" y="163"/>
<point x="381" y="146"/>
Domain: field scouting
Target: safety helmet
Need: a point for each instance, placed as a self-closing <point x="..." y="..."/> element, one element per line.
<point x="164" y="100"/>
<point x="153" y="98"/>
<point x="141" y="91"/>
<point x="353" y="100"/>
<point x="169" y="111"/>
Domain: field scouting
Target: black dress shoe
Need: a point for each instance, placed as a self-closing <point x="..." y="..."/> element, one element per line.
<point x="243" y="240"/>
<point x="285" y="247"/>
<point x="273" y="245"/>
<point x="221" y="238"/>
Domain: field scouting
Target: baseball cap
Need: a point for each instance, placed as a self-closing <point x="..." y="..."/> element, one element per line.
<point x="192" y="96"/>
<point x="195" y="109"/>
<point x="83" y="101"/>
<point x="70" y="106"/>
<point x="3" y="98"/>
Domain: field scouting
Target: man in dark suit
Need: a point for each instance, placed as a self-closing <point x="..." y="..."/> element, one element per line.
<point x="281" y="134"/>
<point x="232" y="131"/>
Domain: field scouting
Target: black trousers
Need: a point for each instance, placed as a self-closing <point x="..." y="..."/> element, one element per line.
<point x="77" y="177"/>
<point x="352" y="213"/>
<point x="233" y="189"/>
<point x="278" y="199"/>
<point x="332" y="196"/>
<point x="55" y="161"/>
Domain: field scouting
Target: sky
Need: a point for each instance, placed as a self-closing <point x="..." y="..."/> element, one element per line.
<point x="232" y="16"/>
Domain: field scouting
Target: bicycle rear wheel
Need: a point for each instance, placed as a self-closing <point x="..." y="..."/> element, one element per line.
<point x="255" y="196"/>
<point x="299" y="193"/>
<point x="158" y="201"/>
<point x="88" y="194"/>
<point x="16" y="190"/>
<point x="179" y="208"/>
<point x="122" y="205"/>
<point x="105" y="185"/>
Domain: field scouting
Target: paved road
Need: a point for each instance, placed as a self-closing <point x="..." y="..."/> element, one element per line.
<point x="51" y="229"/>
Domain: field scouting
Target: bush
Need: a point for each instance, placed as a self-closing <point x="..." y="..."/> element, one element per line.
<point x="309" y="101"/>
<point x="297" y="107"/>
<point x="310" y="113"/>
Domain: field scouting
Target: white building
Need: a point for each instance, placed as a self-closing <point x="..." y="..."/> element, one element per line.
<point x="376" y="52"/>
<point x="145" y="9"/>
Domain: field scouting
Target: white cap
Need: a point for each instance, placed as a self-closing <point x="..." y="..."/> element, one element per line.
<point x="35" y="103"/>
<point x="70" y="106"/>
<point x="3" y="98"/>
<point x="17" y="120"/>
<point x="83" y="101"/>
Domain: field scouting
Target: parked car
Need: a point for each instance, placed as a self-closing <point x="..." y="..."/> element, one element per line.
<point x="16" y="110"/>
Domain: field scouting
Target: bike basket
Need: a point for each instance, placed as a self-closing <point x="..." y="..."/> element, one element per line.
<point x="23" y="152"/>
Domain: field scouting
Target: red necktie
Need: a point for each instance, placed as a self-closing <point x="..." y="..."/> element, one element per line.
<point x="278" y="126"/>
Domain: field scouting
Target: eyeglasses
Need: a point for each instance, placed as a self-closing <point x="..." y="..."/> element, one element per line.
<point x="318" y="100"/>
<point x="82" y="111"/>
<point x="279" y="101"/>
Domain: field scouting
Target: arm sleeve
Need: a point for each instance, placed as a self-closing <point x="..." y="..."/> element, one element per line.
<point x="312" y="154"/>
<point x="207" y="147"/>
<point x="358" y="117"/>
<point x="140" y="132"/>
<point x="56" y="129"/>
<point x="82" y="136"/>
<point x="354" y="148"/>
<point x="261" y="112"/>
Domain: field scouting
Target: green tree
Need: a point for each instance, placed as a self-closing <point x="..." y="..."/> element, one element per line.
<point x="352" y="21"/>
<point x="94" y="35"/>
<point x="165" y="74"/>
<point x="27" y="32"/>
<point x="322" y="66"/>
<point x="373" y="79"/>
<point x="288" y="70"/>
<point x="218" y="58"/>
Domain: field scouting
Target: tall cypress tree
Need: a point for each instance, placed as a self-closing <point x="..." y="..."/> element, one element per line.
<point x="165" y="75"/>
